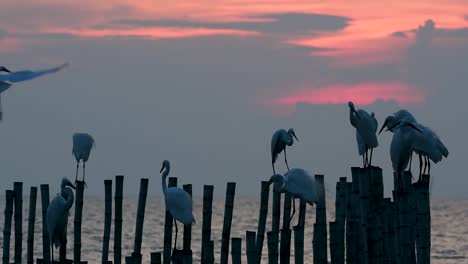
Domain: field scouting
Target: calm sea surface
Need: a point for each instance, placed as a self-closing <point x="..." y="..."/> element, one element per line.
<point x="449" y="228"/>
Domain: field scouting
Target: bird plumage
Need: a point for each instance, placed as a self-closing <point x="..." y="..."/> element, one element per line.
<point x="26" y="75"/>
<point x="82" y="145"/>
<point x="299" y="183"/>
<point x="280" y="139"/>
<point x="366" y="126"/>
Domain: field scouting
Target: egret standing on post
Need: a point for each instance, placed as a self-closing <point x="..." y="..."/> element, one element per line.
<point x="280" y="139"/>
<point x="57" y="215"/>
<point x="366" y="128"/>
<point x="6" y="80"/>
<point x="82" y="145"/>
<point x="178" y="202"/>
<point x="299" y="183"/>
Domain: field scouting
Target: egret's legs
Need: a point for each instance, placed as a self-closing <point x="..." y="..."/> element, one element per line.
<point x="175" y="242"/>
<point x="294" y="210"/>
<point x="420" y="166"/>
<point x="76" y="175"/>
<point x="84" y="167"/>
<point x="370" y="160"/>
<point x="428" y="166"/>
<point x="285" y="159"/>
<point x="425" y="165"/>
<point x="52" y="247"/>
<point x="410" y="159"/>
<point x="273" y="165"/>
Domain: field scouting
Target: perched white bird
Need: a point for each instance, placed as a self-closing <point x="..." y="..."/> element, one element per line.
<point x="299" y="183"/>
<point x="427" y="144"/>
<point x="366" y="128"/>
<point x="9" y="77"/>
<point x="178" y="202"/>
<point x="57" y="215"/>
<point x="280" y="139"/>
<point x="82" y="145"/>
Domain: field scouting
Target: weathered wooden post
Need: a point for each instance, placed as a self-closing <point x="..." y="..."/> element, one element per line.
<point x="118" y="219"/>
<point x="140" y="220"/>
<point x="155" y="258"/>
<point x="209" y="253"/>
<point x="187" y="243"/>
<point x="340" y="207"/>
<point x="363" y="175"/>
<point x="236" y="250"/>
<point x="298" y="244"/>
<point x="31" y="222"/>
<point x="45" y="233"/>
<point x="168" y="228"/>
<point x="207" y="211"/>
<point x="333" y="243"/>
<point x="285" y="242"/>
<point x="228" y="208"/>
<point x="423" y="225"/>
<point x="265" y="193"/>
<point x="77" y="222"/>
<point x="374" y="189"/>
<point x="272" y="238"/>
<point x="7" y="226"/>
<point x="251" y="250"/>
<point x="352" y="234"/>
<point x="404" y="218"/>
<point x="319" y="240"/>
<point x="107" y="220"/>
<point x="18" y="189"/>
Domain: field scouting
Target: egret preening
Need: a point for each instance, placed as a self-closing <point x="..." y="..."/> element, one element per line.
<point x="82" y="145"/>
<point x="178" y="202"/>
<point x="427" y="144"/>
<point x="57" y="215"/>
<point x="402" y="146"/>
<point x="299" y="183"/>
<point x="280" y="139"/>
<point x="10" y="77"/>
<point x="366" y="128"/>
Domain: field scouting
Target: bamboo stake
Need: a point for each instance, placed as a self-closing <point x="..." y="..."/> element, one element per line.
<point x="168" y="228"/>
<point x="140" y="220"/>
<point x="118" y="219"/>
<point x="352" y="236"/>
<point x="45" y="233"/>
<point x="236" y="247"/>
<point x="31" y="222"/>
<point x="18" y="189"/>
<point x="319" y="241"/>
<point x="209" y="252"/>
<point x="265" y="191"/>
<point x="251" y="251"/>
<point x="340" y="207"/>
<point x="7" y="226"/>
<point x="207" y="211"/>
<point x="364" y="209"/>
<point x="272" y="238"/>
<point x="276" y="212"/>
<point x="187" y="247"/>
<point x="333" y="243"/>
<point x="298" y="244"/>
<point x="77" y="222"/>
<point x="107" y="220"/>
<point x="228" y="208"/>
<point x="155" y="258"/>
<point x="285" y="242"/>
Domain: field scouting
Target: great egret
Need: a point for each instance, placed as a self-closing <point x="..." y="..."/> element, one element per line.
<point x="82" y="145"/>
<point x="178" y="202"/>
<point x="299" y="183"/>
<point x="280" y="139"/>
<point x="57" y="215"/>
<point x="10" y="77"/>
<point x="427" y="144"/>
<point x="401" y="146"/>
<point x="366" y="127"/>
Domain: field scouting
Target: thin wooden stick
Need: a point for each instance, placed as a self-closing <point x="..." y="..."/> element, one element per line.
<point x="236" y="247"/>
<point x="228" y="208"/>
<point x="7" y="226"/>
<point x="272" y="238"/>
<point x="118" y="221"/>
<point x="140" y="220"/>
<point x="31" y="222"/>
<point x="187" y="247"/>
<point x="78" y="220"/>
<point x="285" y="241"/>
<point x="340" y="207"/>
<point x="265" y="192"/>
<point x="107" y="220"/>
<point x="320" y="227"/>
<point x="251" y="251"/>
<point x="18" y="188"/>
<point x="45" y="233"/>
<point x="207" y="211"/>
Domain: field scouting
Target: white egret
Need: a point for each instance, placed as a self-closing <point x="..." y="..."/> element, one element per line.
<point x="427" y="144"/>
<point x="57" y="215"/>
<point x="299" y="183"/>
<point x="366" y="128"/>
<point x="178" y="202"/>
<point x="280" y="139"/>
<point x="10" y="77"/>
<point x="82" y="145"/>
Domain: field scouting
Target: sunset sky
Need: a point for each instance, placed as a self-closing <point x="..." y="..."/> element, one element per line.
<point x="206" y="83"/>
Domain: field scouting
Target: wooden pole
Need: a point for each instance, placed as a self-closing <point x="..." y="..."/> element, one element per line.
<point x="31" y="222"/>
<point x="228" y="208"/>
<point x="340" y="207"/>
<point x="207" y="211"/>
<point x="298" y="244"/>
<point x="209" y="252"/>
<point x="423" y="226"/>
<point x="404" y="218"/>
<point x="45" y="233"/>
<point x="319" y="240"/>
<point x="272" y="238"/>
<point x="374" y="189"/>
<point x="118" y="221"/>
<point x="187" y="246"/>
<point x="251" y="250"/>
<point x="7" y="226"/>
<point x="352" y="236"/>
<point x="364" y="209"/>
<point x="77" y="222"/>
<point x="236" y="249"/>
<point x="168" y="228"/>
<point x="63" y="248"/>
<point x="285" y="242"/>
<point x="140" y="220"/>
<point x="107" y="220"/>
<point x="333" y="243"/>
<point x="276" y="212"/>
<point x="155" y="258"/>
<point x="265" y="193"/>
<point x="18" y="189"/>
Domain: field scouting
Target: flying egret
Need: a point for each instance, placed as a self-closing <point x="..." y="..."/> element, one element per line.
<point x="10" y="77"/>
<point x="366" y="127"/>
<point x="178" y="202"/>
<point x="57" y="215"/>
<point x="280" y="139"/>
<point x="401" y="146"/>
<point x="427" y="144"/>
<point x="82" y="145"/>
<point x="299" y="183"/>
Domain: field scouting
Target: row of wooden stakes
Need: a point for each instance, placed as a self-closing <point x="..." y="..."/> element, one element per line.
<point x="368" y="228"/>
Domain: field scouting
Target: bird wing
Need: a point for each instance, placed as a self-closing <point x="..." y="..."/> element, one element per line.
<point x="300" y="183"/>
<point x="275" y="142"/>
<point x="54" y="212"/>
<point x="82" y="145"/>
<point x="360" y="143"/>
<point x="179" y="204"/>
<point x="20" y="76"/>
<point x="365" y="126"/>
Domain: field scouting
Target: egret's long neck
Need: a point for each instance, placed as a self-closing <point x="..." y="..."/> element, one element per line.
<point x="163" y="179"/>
<point x="67" y="193"/>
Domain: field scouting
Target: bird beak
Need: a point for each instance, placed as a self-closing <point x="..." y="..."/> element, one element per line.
<point x="294" y="135"/>
<point x="395" y="125"/>
<point x="5" y="70"/>
<point x="356" y="113"/>
<point x="71" y="186"/>
<point x="383" y="126"/>
<point x="162" y="168"/>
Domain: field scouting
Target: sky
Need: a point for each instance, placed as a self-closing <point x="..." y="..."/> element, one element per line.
<point x="205" y="84"/>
